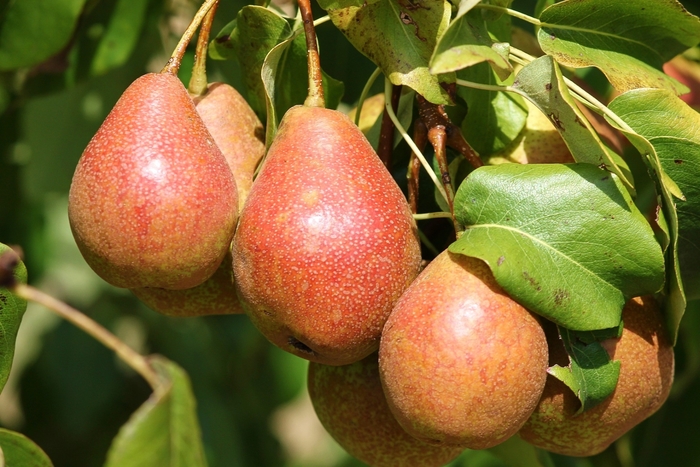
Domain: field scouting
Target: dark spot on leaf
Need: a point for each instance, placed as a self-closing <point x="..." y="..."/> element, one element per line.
<point x="552" y="36"/>
<point x="604" y="178"/>
<point x="678" y="161"/>
<point x="555" y="120"/>
<point x="535" y="285"/>
<point x="300" y="346"/>
<point x="548" y="86"/>
<point x="501" y="260"/>
<point x="560" y="295"/>
<point x="222" y="39"/>
<point x="603" y="166"/>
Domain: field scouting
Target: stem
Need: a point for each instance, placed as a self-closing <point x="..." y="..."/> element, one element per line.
<point x="420" y="135"/>
<point x="432" y="215"/>
<point x="386" y="134"/>
<point x="409" y="141"/>
<point x="365" y="91"/>
<point x="198" y="81"/>
<point x="315" y="97"/>
<point x="132" y="358"/>
<point x="485" y="87"/>
<point x="508" y="11"/>
<point x="438" y="138"/>
<point x="173" y="64"/>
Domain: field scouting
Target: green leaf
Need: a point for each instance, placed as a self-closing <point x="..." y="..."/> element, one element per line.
<point x="495" y="118"/>
<point x="164" y="431"/>
<point x="542" y="83"/>
<point x="667" y="135"/>
<point x="467" y="42"/>
<point x="33" y="30"/>
<point x="516" y="452"/>
<point x="627" y="40"/>
<point x="221" y="47"/>
<point x="404" y="114"/>
<point x="121" y="36"/>
<point x="564" y="240"/>
<point x="12" y="309"/>
<point x="399" y="37"/>
<point x="20" y="451"/>
<point x="591" y="375"/>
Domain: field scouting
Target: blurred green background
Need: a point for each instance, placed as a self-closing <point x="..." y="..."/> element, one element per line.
<point x="71" y="395"/>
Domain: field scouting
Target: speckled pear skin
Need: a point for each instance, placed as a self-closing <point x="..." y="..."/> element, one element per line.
<point x="646" y="375"/>
<point x="326" y="242"/>
<point x="215" y="296"/>
<point x="350" y="403"/>
<point x="236" y="130"/>
<point x="153" y="202"/>
<point x="461" y="362"/>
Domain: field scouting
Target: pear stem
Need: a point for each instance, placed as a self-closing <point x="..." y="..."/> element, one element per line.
<point x="386" y="134"/>
<point x="175" y="60"/>
<point x="315" y="97"/>
<point x="198" y="81"/>
<point x="132" y="358"/>
<point x="420" y="137"/>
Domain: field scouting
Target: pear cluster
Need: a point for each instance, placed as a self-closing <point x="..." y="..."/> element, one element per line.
<point x="408" y="367"/>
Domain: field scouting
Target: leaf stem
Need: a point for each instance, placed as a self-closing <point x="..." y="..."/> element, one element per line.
<point x="173" y="64"/>
<point x="198" y="82"/>
<point x="424" y="216"/>
<point x="365" y="91"/>
<point x="315" y="97"/>
<point x="485" y="87"/>
<point x="508" y="11"/>
<point x="132" y="358"/>
<point x="407" y="138"/>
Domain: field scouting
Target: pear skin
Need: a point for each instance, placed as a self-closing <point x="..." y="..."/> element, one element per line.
<point x="646" y="374"/>
<point x="350" y="403"/>
<point x="326" y="241"/>
<point x="236" y="130"/>
<point x="153" y="202"/>
<point x="215" y="296"/>
<point x="461" y="363"/>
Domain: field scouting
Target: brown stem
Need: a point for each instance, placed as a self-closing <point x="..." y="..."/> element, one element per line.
<point x="438" y="138"/>
<point x="455" y="140"/>
<point x="420" y="137"/>
<point x="315" y="97"/>
<point x="386" y="136"/>
<point x="175" y="59"/>
<point x="132" y="358"/>
<point x="198" y="81"/>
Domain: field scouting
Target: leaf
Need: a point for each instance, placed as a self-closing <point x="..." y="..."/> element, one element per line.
<point x="628" y="41"/>
<point x="12" y="309"/>
<point x="495" y="118"/>
<point x="33" y="30"/>
<point x="591" y="375"/>
<point x="667" y="132"/>
<point x="164" y="431"/>
<point x="542" y="83"/>
<point x="121" y="36"/>
<point x="20" y="451"/>
<point x="516" y="452"/>
<point x="564" y="240"/>
<point x="467" y="42"/>
<point x="221" y="47"/>
<point x="399" y="36"/>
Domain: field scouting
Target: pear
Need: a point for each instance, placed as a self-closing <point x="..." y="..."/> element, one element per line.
<point x="350" y="403"/>
<point x="646" y="373"/>
<point x="215" y="296"/>
<point x="326" y="242"/>
<point x="153" y="202"/>
<point x="236" y="130"/>
<point x="461" y="363"/>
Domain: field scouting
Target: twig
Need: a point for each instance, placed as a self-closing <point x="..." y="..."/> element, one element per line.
<point x="386" y="135"/>
<point x="173" y="64"/>
<point x="315" y="97"/>
<point x="198" y="81"/>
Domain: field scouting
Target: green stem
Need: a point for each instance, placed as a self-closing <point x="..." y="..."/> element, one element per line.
<point x="175" y="60"/>
<point x="132" y="358"/>
<point x="432" y="215"/>
<point x="508" y="11"/>
<point x="198" y="81"/>
<point x="407" y="138"/>
<point x="365" y="91"/>
<point x="315" y="97"/>
<point x="485" y="87"/>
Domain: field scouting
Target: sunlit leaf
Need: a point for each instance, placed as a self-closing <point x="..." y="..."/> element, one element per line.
<point x="516" y="452"/>
<point x="33" y="30"/>
<point x="20" y="451"/>
<point x="542" y="83"/>
<point x="627" y="40"/>
<point x="12" y="309"/>
<point x="164" y="431"/>
<point x="564" y="240"/>
<point x="121" y="36"/>
<point x="397" y="36"/>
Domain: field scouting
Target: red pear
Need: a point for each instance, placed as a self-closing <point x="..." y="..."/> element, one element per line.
<point x="153" y="202"/>
<point x="461" y="362"/>
<point x="326" y="243"/>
